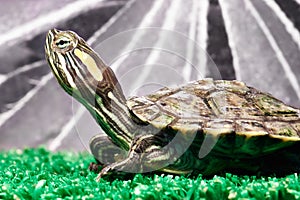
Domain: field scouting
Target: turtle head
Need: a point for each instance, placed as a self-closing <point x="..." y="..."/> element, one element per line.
<point x="73" y="62"/>
<point x="83" y="75"/>
<point x="60" y="49"/>
<point x="78" y="68"/>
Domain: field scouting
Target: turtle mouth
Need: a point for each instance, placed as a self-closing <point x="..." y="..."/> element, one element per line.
<point x="49" y="40"/>
<point x="48" y="46"/>
<point x="49" y="53"/>
<point x="48" y="50"/>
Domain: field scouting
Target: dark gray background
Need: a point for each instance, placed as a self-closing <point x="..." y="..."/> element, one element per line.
<point x="256" y="41"/>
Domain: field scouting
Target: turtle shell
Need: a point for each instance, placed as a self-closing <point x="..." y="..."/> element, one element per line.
<point x="220" y="108"/>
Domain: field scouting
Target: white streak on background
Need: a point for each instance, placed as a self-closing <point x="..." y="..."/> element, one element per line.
<point x="20" y="70"/>
<point x="20" y="104"/>
<point x="169" y="23"/>
<point x="3" y="78"/>
<point x="65" y="131"/>
<point x="289" y="26"/>
<point x="286" y="67"/>
<point x="112" y="20"/>
<point x="297" y="1"/>
<point x="146" y="22"/>
<point x="202" y="37"/>
<point x="32" y="28"/>
<point x="191" y="45"/>
<point x="228" y="25"/>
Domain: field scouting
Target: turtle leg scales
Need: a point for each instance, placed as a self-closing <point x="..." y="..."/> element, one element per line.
<point x="105" y="152"/>
<point x="129" y="164"/>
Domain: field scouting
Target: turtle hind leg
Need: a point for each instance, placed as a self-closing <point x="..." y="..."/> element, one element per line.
<point x="105" y="152"/>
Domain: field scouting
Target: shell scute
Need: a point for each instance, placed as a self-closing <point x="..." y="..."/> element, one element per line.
<point x="273" y="107"/>
<point x="249" y="125"/>
<point x="218" y="127"/>
<point x="185" y="105"/>
<point x="200" y="88"/>
<point x="282" y="129"/>
<point x="162" y="121"/>
<point x="188" y="126"/>
<point x="230" y="105"/>
<point x="250" y="128"/>
<point x="296" y="126"/>
<point x="143" y="108"/>
<point x="160" y="93"/>
<point x="232" y="86"/>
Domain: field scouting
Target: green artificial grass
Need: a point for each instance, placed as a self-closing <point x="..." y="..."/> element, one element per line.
<point x="40" y="174"/>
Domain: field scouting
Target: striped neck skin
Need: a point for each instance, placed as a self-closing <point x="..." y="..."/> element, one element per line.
<point x="83" y="75"/>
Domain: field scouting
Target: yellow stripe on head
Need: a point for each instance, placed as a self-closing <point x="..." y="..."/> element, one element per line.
<point x="90" y="63"/>
<point x="67" y="74"/>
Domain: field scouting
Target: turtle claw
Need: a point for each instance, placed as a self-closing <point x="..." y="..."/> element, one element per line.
<point x="94" y="167"/>
<point x="120" y="166"/>
<point x="99" y="177"/>
<point x="104" y="172"/>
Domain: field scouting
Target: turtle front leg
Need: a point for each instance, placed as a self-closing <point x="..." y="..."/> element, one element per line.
<point x="105" y="152"/>
<point x="144" y="156"/>
<point x="129" y="165"/>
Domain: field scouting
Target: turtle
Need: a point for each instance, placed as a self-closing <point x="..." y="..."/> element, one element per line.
<point x="204" y="127"/>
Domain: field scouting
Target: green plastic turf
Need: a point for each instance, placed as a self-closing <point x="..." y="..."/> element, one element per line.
<point x="40" y="174"/>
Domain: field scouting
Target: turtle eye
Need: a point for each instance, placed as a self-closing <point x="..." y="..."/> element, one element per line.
<point x="63" y="42"/>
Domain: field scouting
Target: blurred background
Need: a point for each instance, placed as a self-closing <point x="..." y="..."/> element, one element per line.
<point x="149" y="44"/>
